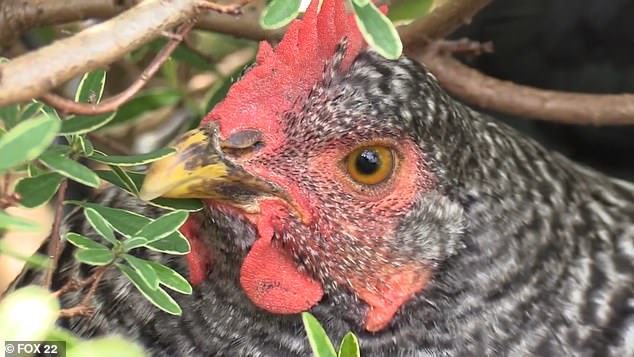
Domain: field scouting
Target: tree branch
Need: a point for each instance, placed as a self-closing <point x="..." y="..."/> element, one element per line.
<point x="92" y="48"/>
<point x="443" y="20"/>
<point x="18" y="16"/>
<point x="113" y="103"/>
<point x="490" y="93"/>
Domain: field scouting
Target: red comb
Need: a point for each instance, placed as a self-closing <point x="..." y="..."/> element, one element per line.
<point x="289" y="72"/>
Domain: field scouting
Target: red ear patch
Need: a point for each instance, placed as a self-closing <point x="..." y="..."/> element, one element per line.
<point x="269" y="277"/>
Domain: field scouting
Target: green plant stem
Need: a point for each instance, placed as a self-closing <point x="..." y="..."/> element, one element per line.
<point x="53" y="244"/>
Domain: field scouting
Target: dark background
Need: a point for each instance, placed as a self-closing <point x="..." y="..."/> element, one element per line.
<point x="571" y="45"/>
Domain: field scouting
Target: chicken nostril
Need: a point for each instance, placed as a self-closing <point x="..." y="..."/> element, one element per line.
<point x="242" y="142"/>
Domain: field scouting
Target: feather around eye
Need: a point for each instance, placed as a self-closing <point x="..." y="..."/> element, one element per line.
<point x="370" y="165"/>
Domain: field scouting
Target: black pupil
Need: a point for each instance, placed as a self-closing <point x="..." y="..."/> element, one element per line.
<point x="368" y="162"/>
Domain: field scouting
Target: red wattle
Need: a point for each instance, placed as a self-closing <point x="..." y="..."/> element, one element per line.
<point x="199" y="258"/>
<point x="272" y="282"/>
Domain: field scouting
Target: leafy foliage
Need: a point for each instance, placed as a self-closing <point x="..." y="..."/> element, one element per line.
<point x="44" y="149"/>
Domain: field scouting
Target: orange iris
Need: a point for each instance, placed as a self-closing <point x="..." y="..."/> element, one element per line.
<point x="370" y="165"/>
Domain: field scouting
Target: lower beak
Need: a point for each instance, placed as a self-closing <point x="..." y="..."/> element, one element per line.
<point x="199" y="169"/>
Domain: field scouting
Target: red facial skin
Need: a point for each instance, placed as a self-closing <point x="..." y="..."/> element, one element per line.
<point x="270" y="274"/>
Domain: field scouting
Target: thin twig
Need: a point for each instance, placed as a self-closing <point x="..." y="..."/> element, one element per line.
<point x="490" y="93"/>
<point x="85" y="308"/>
<point x="111" y="104"/>
<point x="74" y="285"/>
<point x="53" y="245"/>
<point x="230" y="9"/>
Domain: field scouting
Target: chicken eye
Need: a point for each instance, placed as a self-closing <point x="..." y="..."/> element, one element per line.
<point x="370" y="165"/>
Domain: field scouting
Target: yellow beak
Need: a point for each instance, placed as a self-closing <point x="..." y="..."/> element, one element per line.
<point x="200" y="169"/>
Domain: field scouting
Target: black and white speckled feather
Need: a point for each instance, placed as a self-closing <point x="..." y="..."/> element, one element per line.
<point x="532" y="254"/>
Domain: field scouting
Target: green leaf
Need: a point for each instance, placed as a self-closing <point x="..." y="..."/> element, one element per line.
<point x="32" y="169"/>
<point x="128" y="223"/>
<point x="361" y="2"/>
<point x="185" y="204"/>
<point x="279" y="13"/>
<point x="26" y="141"/>
<point x="147" y="101"/>
<point x="403" y="12"/>
<point x="30" y="110"/>
<point x="81" y="124"/>
<point x="36" y="260"/>
<point x="86" y="145"/>
<point x="101" y="226"/>
<point x="349" y="346"/>
<point x="135" y="242"/>
<point x="132" y="160"/>
<point x="319" y="341"/>
<point x="145" y="270"/>
<point x="378" y="31"/>
<point x="10" y="115"/>
<point x="170" y="278"/>
<point x="82" y="242"/>
<point x="50" y="112"/>
<point x="133" y="180"/>
<point x="35" y="191"/>
<point x="107" y="346"/>
<point x="28" y="314"/>
<point x="16" y="223"/>
<point x="71" y="169"/>
<point x="94" y="256"/>
<point x="158" y="297"/>
<point x="162" y="226"/>
<point x="175" y="244"/>
<point x="91" y="87"/>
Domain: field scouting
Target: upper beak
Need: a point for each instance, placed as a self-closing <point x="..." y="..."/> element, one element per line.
<point x="200" y="169"/>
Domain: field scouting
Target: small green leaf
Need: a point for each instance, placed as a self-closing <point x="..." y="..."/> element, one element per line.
<point x="26" y="141"/>
<point x="107" y="346"/>
<point x="403" y="12"/>
<point x="158" y="297"/>
<point x="86" y="145"/>
<point x="135" y="242"/>
<point x="162" y="226"/>
<point x="147" y="101"/>
<point x="101" y="226"/>
<point x="128" y="223"/>
<point x="185" y="204"/>
<point x="16" y="223"/>
<point x="10" y="115"/>
<point x="175" y="244"/>
<point x="30" y="110"/>
<point x="82" y="242"/>
<point x="170" y="278"/>
<point x="81" y="124"/>
<point x="71" y="169"/>
<point x="132" y="160"/>
<point x="91" y="87"/>
<point x="361" y="2"/>
<point x="50" y="112"/>
<point x="319" y="341"/>
<point x="35" y="191"/>
<point x="349" y="346"/>
<point x="279" y="13"/>
<point x="27" y="314"/>
<point x="32" y="169"/>
<point x="145" y="270"/>
<point x="125" y="179"/>
<point x="378" y="31"/>
<point x="94" y="256"/>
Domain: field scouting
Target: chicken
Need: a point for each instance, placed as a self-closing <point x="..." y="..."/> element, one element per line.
<point x="351" y="186"/>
